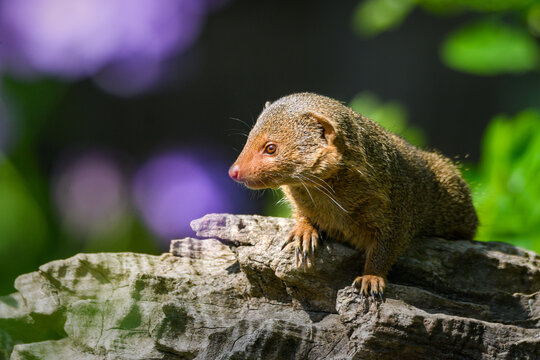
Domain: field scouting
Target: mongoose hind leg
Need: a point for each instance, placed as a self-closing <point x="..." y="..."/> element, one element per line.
<point x="306" y="241"/>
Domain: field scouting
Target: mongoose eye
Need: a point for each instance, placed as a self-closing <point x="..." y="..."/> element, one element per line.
<point x="270" y="149"/>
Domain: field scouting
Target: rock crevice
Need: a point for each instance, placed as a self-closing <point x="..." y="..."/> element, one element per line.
<point x="235" y="294"/>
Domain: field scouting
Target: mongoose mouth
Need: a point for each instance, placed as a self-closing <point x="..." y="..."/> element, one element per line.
<point x="240" y="176"/>
<point x="255" y="185"/>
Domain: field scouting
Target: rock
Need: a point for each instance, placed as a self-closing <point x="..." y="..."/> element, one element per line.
<point x="238" y="295"/>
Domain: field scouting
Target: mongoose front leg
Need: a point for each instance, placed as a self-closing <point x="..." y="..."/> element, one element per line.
<point x="306" y="240"/>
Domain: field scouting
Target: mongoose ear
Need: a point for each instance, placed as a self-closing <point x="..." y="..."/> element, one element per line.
<point x="329" y="129"/>
<point x="266" y="104"/>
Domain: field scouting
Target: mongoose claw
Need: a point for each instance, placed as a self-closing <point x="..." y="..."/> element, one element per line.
<point x="306" y="241"/>
<point x="289" y="240"/>
<point x="370" y="285"/>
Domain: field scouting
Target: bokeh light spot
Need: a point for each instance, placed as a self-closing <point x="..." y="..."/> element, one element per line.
<point x="90" y="194"/>
<point x="174" y="188"/>
<point x="75" y="39"/>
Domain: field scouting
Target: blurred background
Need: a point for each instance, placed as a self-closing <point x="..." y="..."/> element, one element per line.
<point x="119" y="118"/>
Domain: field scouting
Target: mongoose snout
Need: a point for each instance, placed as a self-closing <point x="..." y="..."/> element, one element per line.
<point x="345" y="175"/>
<point x="234" y="173"/>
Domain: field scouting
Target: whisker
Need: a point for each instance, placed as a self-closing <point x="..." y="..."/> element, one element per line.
<point x="241" y="121"/>
<point x="327" y="187"/>
<point x="305" y="187"/>
<point x="315" y="184"/>
<point x="327" y="193"/>
<point x="327" y="184"/>
<point x="242" y="134"/>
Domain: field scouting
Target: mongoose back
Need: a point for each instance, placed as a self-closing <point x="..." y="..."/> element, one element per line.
<point x="346" y="176"/>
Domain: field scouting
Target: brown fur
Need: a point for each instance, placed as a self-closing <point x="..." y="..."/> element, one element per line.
<point x="347" y="176"/>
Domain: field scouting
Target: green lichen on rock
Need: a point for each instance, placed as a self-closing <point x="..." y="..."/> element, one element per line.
<point x="237" y="295"/>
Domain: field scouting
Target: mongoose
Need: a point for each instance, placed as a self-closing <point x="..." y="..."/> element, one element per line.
<point x="346" y="176"/>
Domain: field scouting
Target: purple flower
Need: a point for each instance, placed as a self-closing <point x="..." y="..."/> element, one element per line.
<point x="90" y="195"/>
<point x="74" y="39"/>
<point x="176" y="187"/>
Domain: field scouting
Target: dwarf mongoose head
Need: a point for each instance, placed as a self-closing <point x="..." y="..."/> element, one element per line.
<point x="291" y="140"/>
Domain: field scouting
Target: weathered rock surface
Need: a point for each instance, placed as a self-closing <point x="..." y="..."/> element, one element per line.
<point x="237" y="295"/>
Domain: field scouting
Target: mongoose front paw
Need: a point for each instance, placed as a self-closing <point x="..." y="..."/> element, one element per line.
<point x="369" y="285"/>
<point x="306" y="241"/>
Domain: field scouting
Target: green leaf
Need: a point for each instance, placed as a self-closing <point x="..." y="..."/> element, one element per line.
<point x="533" y="19"/>
<point x="390" y="115"/>
<point x="494" y="5"/>
<point x="451" y="6"/>
<point x="372" y="17"/>
<point x="488" y="48"/>
<point x="505" y="187"/>
<point x="277" y="205"/>
<point x="23" y="227"/>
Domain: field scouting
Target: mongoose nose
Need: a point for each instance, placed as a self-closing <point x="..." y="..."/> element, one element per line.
<point x="234" y="172"/>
